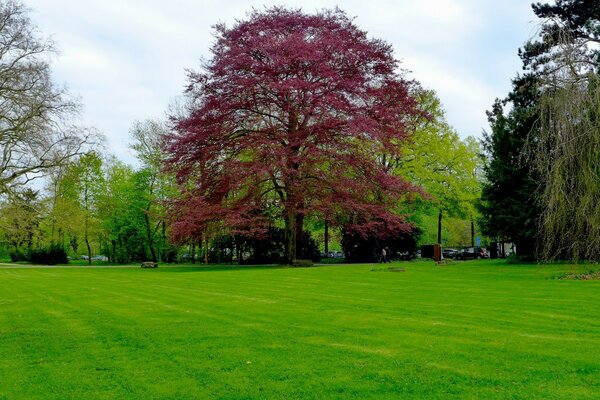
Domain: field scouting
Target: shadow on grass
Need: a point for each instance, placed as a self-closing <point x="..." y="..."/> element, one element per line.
<point x="218" y="267"/>
<point x="237" y="267"/>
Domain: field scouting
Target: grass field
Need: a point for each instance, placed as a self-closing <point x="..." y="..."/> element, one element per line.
<point x="473" y="330"/>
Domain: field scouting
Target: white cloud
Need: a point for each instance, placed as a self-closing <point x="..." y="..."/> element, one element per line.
<point x="127" y="59"/>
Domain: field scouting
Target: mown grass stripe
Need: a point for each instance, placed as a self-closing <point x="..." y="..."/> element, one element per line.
<point x="470" y="330"/>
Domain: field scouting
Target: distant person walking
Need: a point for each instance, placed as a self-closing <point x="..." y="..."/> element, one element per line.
<point x="383" y="256"/>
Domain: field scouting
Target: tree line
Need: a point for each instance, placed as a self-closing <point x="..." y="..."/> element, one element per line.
<point x="298" y="124"/>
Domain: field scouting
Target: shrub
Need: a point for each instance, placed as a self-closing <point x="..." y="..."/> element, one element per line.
<point x="520" y="259"/>
<point x="52" y="255"/>
<point x="18" y="255"/>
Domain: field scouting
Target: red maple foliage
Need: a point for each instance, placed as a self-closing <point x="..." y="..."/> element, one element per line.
<point x="294" y="114"/>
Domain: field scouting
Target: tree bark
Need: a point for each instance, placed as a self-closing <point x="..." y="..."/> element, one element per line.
<point x="290" y="233"/>
<point x="113" y="257"/>
<point x="205" y="249"/>
<point x="192" y="252"/>
<point x="87" y="242"/>
<point x="439" y="238"/>
<point x="299" y="236"/>
<point x="164" y="242"/>
<point x="149" y="235"/>
<point x="326" y="238"/>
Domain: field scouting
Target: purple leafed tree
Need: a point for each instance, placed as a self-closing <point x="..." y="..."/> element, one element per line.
<point x="294" y="114"/>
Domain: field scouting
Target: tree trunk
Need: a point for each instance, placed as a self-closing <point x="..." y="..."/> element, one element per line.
<point x="440" y="228"/>
<point x="205" y="249"/>
<point x="326" y="238"/>
<point x="149" y="235"/>
<point x="238" y="249"/>
<point x="87" y="241"/>
<point x="299" y="236"/>
<point x="290" y="233"/>
<point x="164" y="241"/>
<point x="472" y="234"/>
<point x="192" y="252"/>
<point x="124" y="256"/>
<point x="113" y="257"/>
<point x="86" y="222"/>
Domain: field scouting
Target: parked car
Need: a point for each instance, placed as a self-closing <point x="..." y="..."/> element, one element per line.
<point x="406" y="255"/>
<point x="332" y="254"/>
<point x="99" y="258"/>
<point x="450" y="253"/>
<point x="473" y="253"/>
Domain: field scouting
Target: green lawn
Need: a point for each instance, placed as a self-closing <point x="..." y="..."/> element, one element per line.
<point x="473" y="330"/>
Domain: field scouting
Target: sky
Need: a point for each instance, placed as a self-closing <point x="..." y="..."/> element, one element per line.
<point x="126" y="60"/>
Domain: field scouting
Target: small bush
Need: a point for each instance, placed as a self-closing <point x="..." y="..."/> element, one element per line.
<point x="520" y="259"/>
<point x="18" y="255"/>
<point x="50" y="256"/>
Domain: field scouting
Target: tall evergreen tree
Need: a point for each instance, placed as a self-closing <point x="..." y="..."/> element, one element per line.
<point x="575" y="23"/>
<point x="509" y="208"/>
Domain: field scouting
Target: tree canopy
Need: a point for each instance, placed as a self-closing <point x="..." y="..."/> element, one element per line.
<point x="293" y="112"/>
<point x="576" y="22"/>
<point x="35" y="129"/>
<point x="565" y="153"/>
<point x="446" y="167"/>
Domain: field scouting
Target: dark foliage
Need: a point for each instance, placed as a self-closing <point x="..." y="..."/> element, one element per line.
<point x="368" y="249"/>
<point x="578" y="22"/>
<point x="49" y="256"/>
<point x="128" y="246"/>
<point x="18" y="255"/>
<point x="509" y="208"/>
<point x="269" y="249"/>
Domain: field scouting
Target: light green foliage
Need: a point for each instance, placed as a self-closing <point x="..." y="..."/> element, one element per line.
<point x="65" y="221"/>
<point x="152" y="185"/>
<point x="472" y="330"/>
<point x="456" y="232"/>
<point x="20" y="218"/>
<point x="446" y="167"/>
<point x="83" y="184"/>
<point x="122" y="222"/>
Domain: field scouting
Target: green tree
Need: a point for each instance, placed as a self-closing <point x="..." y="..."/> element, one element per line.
<point x="566" y="158"/>
<point x="153" y="185"/>
<point x="509" y="209"/>
<point x="568" y="38"/>
<point x="446" y="167"/>
<point x="20" y="218"/>
<point x="565" y="152"/>
<point x="83" y="184"/>
<point x="64" y="217"/>
<point x="121" y="214"/>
